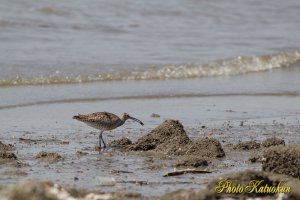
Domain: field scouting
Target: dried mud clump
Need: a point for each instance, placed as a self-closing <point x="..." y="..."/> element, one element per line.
<point x="274" y="141"/>
<point x="205" y="147"/>
<point x="168" y="138"/>
<point x="283" y="160"/>
<point x="248" y="145"/>
<point x="50" y="157"/>
<point x="5" y="155"/>
<point x="192" y="161"/>
<point x="5" y="147"/>
<point x="242" y="178"/>
<point x="256" y="159"/>
<point x="121" y="142"/>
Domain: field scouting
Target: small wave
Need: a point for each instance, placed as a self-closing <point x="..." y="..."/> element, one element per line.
<point x="184" y="95"/>
<point x="227" y="67"/>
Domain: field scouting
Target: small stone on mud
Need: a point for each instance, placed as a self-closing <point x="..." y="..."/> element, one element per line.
<point x="106" y="181"/>
<point x="283" y="160"/>
<point x="256" y="159"/>
<point x="248" y="145"/>
<point x="81" y="153"/>
<point x="51" y="157"/>
<point x="65" y="142"/>
<point x="154" y="115"/>
<point x="273" y="141"/>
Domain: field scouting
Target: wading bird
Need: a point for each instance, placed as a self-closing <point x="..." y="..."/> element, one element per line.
<point x="104" y="121"/>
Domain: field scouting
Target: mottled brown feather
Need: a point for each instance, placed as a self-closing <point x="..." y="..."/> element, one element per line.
<point x="101" y="120"/>
<point x="99" y="116"/>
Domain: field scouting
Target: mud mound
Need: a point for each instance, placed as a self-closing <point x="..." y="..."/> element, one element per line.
<point x="242" y="178"/>
<point x="247" y="145"/>
<point x="50" y="157"/>
<point x="5" y="147"/>
<point x="121" y="142"/>
<point x="168" y="137"/>
<point x="274" y="141"/>
<point x="192" y="161"/>
<point x="283" y="160"/>
<point x="27" y="190"/>
<point x="46" y="190"/>
<point x="6" y="157"/>
<point x="206" y="147"/>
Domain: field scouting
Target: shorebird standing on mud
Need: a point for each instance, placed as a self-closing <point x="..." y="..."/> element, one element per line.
<point x="104" y="121"/>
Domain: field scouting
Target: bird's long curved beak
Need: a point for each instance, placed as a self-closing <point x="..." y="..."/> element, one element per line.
<point x="137" y="120"/>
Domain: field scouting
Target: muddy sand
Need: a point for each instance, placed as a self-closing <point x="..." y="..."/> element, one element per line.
<point x="50" y="157"/>
<point x="166" y="148"/>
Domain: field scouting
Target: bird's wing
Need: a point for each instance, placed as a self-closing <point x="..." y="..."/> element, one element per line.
<point x="103" y="117"/>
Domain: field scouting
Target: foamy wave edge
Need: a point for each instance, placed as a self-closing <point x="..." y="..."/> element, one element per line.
<point x="226" y="67"/>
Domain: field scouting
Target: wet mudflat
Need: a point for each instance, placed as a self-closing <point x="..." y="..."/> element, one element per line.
<point x="139" y="166"/>
<point x="138" y="159"/>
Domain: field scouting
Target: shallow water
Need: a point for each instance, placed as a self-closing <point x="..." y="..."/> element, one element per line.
<point x="281" y="82"/>
<point x="48" y="41"/>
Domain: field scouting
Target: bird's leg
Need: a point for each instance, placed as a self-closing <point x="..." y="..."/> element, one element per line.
<point x="104" y="145"/>
<point x="100" y="138"/>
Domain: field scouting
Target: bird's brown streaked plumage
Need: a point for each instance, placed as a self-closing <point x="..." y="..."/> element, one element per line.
<point x="100" y="120"/>
<point x="104" y="121"/>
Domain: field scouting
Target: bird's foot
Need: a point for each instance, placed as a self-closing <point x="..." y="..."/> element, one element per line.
<point x="98" y="148"/>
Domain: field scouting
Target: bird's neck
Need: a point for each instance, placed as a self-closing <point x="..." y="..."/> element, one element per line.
<point x="123" y="120"/>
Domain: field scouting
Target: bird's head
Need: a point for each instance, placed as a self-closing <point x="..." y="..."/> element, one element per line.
<point x="126" y="116"/>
